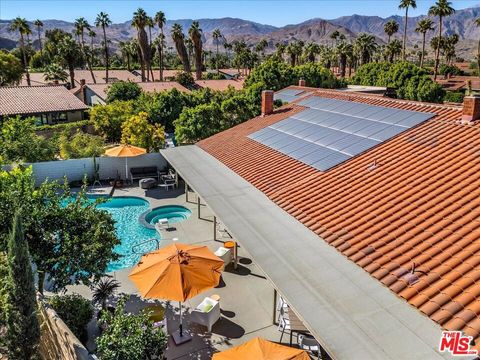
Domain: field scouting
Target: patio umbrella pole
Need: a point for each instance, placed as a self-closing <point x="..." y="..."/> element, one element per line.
<point x="181" y="327"/>
<point x="126" y="170"/>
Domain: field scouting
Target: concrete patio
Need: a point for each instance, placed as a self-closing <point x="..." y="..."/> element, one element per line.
<point x="246" y="295"/>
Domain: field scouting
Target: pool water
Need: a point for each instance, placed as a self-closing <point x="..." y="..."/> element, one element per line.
<point x="134" y="226"/>
<point x="125" y="211"/>
<point x="173" y="213"/>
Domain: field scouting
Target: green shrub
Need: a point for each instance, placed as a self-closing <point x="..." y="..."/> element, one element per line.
<point x="128" y="336"/>
<point x="123" y="91"/>
<point x="411" y="81"/>
<point x="275" y="75"/>
<point x="185" y="79"/>
<point x="64" y="127"/>
<point x="450" y="69"/>
<point x="214" y="76"/>
<point x="75" y="311"/>
<point x="80" y="145"/>
<point x="453" y="96"/>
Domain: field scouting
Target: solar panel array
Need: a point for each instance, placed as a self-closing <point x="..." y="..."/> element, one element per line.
<point x="289" y="95"/>
<point x="331" y="131"/>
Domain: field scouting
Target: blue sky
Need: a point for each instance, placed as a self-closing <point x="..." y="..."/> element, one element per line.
<point x="273" y="12"/>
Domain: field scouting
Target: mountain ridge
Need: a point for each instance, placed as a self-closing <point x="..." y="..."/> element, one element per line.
<point x="316" y="29"/>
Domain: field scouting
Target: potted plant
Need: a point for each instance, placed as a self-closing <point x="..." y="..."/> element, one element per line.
<point x="102" y="291"/>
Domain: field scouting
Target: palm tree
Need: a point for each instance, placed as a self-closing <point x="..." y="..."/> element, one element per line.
<point x="102" y="291"/>
<point x="449" y="47"/>
<point x="125" y="50"/>
<point x="393" y="49"/>
<point x="294" y="49"/>
<point x="92" y="34"/>
<point x="69" y="52"/>
<point x="334" y="36"/>
<point x="81" y="24"/>
<point x="442" y="8"/>
<point x="54" y="72"/>
<point x="405" y="4"/>
<point x="311" y="51"/>
<point x="160" y="20"/>
<point x="150" y="25"/>
<point x="20" y="24"/>
<point x="104" y="21"/>
<point x="179" y="39"/>
<point x="139" y="21"/>
<point x="390" y="28"/>
<point x="195" y="33"/>
<point x="261" y="46"/>
<point x="280" y="49"/>
<point x="217" y="35"/>
<point x="39" y="24"/>
<point x="423" y="26"/>
<point x="365" y="46"/>
<point x="159" y="43"/>
<point x="343" y="51"/>
<point x="477" y="22"/>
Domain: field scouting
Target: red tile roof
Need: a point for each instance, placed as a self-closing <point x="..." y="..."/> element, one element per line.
<point x="417" y="208"/>
<point x="220" y="85"/>
<point x="15" y="100"/>
<point x="101" y="89"/>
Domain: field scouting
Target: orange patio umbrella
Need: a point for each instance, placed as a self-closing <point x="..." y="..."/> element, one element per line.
<point x="261" y="349"/>
<point x="177" y="272"/>
<point x="125" y="151"/>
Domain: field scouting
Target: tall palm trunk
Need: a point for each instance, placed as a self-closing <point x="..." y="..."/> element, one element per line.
<point x="71" y="71"/>
<point x="217" y="63"/>
<point x="142" y="64"/>
<point x="106" y="53"/>
<point x="87" y="59"/>
<point x="437" y="53"/>
<point x="128" y="62"/>
<point x="423" y="49"/>
<point x="404" y="56"/>
<point x="144" y="49"/>
<point x="40" y="40"/>
<point x="160" y="61"/>
<point x="198" y="62"/>
<point x="24" y="55"/>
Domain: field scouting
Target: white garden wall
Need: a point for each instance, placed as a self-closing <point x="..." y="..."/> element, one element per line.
<point x="109" y="167"/>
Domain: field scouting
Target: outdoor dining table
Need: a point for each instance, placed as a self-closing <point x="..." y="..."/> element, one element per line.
<point x="296" y="325"/>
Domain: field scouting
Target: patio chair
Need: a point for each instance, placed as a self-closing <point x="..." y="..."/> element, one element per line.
<point x="162" y="224"/>
<point x="224" y="254"/>
<point x="207" y="313"/>
<point x="309" y="343"/>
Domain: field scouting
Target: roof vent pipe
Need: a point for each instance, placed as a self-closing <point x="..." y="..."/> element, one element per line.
<point x="302" y="82"/>
<point x="267" y="102"/>
<point x="471" y="109"/>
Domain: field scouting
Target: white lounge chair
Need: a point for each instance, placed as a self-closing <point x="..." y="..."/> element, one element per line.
<point x="224" y="254"/>
<point x="162" y="224"/>
<point x="207" y="313"/>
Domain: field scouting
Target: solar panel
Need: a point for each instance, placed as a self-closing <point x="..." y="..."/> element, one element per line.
<point x="331" y="131"/>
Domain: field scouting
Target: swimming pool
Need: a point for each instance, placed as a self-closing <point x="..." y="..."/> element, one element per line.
<point x="127" y="211"/>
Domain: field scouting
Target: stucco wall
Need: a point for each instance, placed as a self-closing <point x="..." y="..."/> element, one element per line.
<point x="109" y="167"/>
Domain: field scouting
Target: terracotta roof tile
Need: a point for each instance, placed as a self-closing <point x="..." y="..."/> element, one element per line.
<point x="220" y="85"/>
<point x="101" y="89"/>
<point x="37" y="99"/>
<point x="418" y="209"/>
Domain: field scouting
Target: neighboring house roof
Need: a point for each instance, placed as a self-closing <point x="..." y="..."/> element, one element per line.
<point x="37" y="99"/>
<point x="409" y="203"/>
<point x="36" y="79"/>
<point x="220" y="85"/>
<point x="456" y="83"/>
<point x="114" y="75"/>
<point x="230" y="72"/>
<point x="102" y="89"/>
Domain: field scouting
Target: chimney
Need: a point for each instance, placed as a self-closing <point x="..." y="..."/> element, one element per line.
<point x="267" y="102"/>
<point x="471" y="108"/>
<point x="302" y="82"/>
<point x="55" y="82"/>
